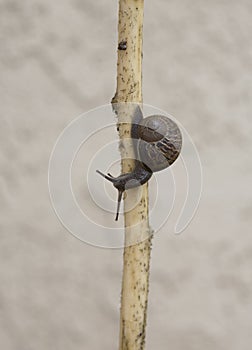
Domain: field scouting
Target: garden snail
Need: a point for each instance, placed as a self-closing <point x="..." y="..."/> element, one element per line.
<point x="157" y="144"/>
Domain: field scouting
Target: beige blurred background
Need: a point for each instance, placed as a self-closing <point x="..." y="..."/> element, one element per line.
<point x="57" y="60"/>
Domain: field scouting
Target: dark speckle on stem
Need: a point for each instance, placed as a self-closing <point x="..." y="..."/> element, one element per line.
<point x="122" y="45"/>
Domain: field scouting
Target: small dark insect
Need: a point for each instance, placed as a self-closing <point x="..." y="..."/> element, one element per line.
<point x="122" y="45"/>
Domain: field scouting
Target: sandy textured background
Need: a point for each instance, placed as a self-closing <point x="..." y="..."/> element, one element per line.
<point x="57" y="60"/>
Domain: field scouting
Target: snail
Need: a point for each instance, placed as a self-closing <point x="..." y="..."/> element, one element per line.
<point x="157" y="143"/>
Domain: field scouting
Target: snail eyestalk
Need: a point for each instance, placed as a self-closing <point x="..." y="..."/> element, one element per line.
<point x="108" y="177"/>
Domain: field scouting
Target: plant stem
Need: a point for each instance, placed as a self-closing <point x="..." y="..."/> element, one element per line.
<point x="136" y="258"/>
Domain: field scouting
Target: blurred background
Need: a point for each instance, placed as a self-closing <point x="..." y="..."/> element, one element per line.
<point x="58" y="60"/>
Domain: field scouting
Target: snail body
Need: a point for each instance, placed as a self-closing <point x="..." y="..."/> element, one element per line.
<point x="157" y="143"/>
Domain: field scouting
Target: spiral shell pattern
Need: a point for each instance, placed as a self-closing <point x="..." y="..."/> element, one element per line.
<point x="159" y="142"/>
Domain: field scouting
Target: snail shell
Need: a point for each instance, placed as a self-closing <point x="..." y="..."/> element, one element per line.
<point x="159" y="142"/>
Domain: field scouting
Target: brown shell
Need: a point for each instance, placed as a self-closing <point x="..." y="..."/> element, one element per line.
<point x="159" y="142"/>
